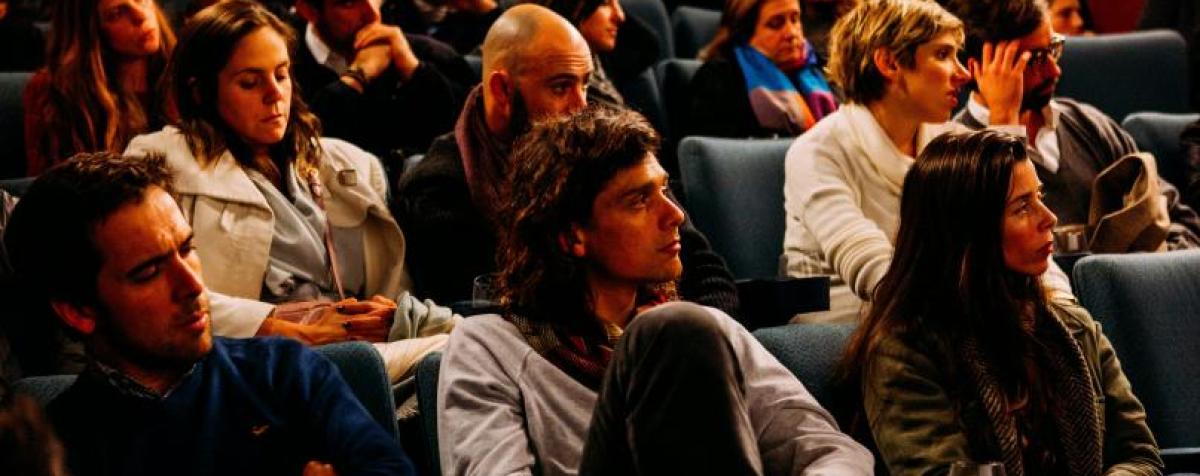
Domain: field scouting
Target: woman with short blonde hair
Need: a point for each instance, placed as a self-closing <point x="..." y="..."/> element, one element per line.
<point x="897" y="64"/>
<point x="899" y="27"/>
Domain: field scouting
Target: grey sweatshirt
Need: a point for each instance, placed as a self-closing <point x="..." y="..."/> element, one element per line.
<point x="503" y="409"/>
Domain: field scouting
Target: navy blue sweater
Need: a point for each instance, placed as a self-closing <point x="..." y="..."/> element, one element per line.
<point x="252" y="406"/>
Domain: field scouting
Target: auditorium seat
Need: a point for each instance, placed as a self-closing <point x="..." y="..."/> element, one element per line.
<point x="734" y="190"/>
<point x="1125" y="73"/>
<point x="1149" y="306"/>
<point x="12" y="124"/>
<point x="642" y="95"/>
<point x="358" y="362"/>
<point x="653" y="14"/>
<point x="1158" y="133"/>
<point x="674" y="85"/>
<point x="694" y="28"/>
<point x="427" y="389"/>
<point x="811" y="351"/>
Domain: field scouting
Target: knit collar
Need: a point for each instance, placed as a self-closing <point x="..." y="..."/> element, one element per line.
<point x="1076" y="416"/>
<point x="876" y="148"/>
<point x="484" y="156"/>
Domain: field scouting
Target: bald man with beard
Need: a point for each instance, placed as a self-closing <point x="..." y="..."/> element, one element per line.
<point x="535" y="65"/>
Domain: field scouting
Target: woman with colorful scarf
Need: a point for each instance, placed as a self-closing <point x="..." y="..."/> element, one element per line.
<point x="760" y="77"/>
<point x="965" y="355"/>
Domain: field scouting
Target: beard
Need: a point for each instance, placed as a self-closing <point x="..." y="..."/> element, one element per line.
<point x="519" y="123"/>
<point x="1038" y="97"/>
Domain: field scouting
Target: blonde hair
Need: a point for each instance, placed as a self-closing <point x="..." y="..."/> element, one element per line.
<point x="898" y="26"/>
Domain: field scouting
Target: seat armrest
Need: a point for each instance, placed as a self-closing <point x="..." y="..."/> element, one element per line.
<point x="773" y="302"/>
<point x="1181" y="460"/>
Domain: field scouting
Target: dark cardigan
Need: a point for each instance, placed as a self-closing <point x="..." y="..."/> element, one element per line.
<point x="392" y="118"/>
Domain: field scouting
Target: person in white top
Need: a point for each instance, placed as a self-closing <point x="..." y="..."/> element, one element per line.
<point x="896" y="62"/>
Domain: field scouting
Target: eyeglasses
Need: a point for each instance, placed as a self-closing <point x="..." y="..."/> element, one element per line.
<point x="1038" y="57"/>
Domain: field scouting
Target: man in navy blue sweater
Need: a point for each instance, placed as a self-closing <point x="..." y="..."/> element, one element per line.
<point x="101" y="236"/>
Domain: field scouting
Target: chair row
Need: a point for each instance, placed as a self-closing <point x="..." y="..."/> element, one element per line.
<point x="1108" y="71"/>
<point x="734" y="187"/>
<point x="1119" y="74"/>
<point x="1148" y="304"/>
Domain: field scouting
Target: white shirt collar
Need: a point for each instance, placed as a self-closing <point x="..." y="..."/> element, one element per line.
<point x="322" y="52"/>
<point x="1044" y="142"/>
<point x="980" y="112"/>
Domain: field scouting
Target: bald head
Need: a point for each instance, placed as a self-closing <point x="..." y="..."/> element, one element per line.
<point x="524" y="33"/>
<point x="535" y="65"/>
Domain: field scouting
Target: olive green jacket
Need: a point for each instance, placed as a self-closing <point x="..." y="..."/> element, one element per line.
<point x="920" y="431"/>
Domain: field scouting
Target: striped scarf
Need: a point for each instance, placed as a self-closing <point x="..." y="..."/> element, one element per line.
<point x="1076" y="416"/>
<point x="582" y="356"/>
<point x="789" y="105"/>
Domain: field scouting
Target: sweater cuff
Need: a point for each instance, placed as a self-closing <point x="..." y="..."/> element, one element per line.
<point x="236" y="317"/>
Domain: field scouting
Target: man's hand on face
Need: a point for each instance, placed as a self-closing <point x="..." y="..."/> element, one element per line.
<point x="373" y="61"/>
<point x="398" y="50"/>
<point x="1001" y="80"/>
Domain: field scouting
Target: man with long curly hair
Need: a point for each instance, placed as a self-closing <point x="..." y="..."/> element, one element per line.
<point x="590" y="367"/>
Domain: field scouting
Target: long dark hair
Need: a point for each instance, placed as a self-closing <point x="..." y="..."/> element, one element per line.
<point x="87" y="110"/>
<point x="559" y="168"/>
<point x="205" y="46"/>
<point x="948" y="279"/>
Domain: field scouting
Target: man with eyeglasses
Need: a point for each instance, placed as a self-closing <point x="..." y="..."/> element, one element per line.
<point x="1070" y="142"/>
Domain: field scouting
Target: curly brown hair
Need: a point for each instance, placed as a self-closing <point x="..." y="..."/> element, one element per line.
<point x="559" y="167"/>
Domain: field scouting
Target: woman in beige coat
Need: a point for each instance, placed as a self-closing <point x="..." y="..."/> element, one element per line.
<point x="279" y="214"/>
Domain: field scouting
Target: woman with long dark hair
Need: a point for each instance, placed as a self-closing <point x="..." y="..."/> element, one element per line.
<point x="280" y="214"/>
<point x="98" y="90"/>
<point x="965" y="355"/>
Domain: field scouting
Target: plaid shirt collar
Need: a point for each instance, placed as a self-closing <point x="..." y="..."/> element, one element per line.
<point x="126" y="385"/>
